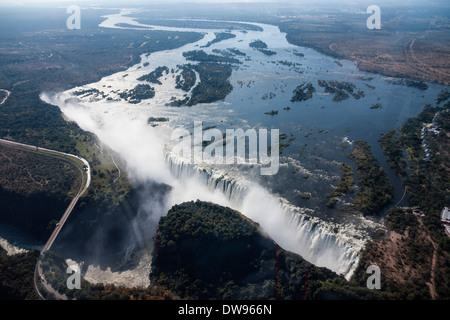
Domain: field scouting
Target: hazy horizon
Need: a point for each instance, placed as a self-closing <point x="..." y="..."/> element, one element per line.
<point x="282" y="2"/>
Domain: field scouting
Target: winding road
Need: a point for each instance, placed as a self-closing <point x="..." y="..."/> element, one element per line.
<point x="86" y="180"/>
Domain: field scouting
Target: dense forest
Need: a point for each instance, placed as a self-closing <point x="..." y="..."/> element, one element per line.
<point x="376" y="190"/>
<point x="391" y="144"/>
<point x="205" y="251"/>
<point x="16" y="275"/>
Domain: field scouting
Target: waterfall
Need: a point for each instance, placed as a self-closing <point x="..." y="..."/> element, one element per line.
<point x="323" y="244"/>
<point x="231" y="188"/>
<point x="316" y="241"/>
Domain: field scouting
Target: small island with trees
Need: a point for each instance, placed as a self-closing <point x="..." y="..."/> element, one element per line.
<point x="153" y="77"/>
<point x="138" y="93"/>
<point x="262" y="47"/>
<point x="303" y="92"/>
<point x="341" y="89"/>
<point x="376" y="191"/>
<point x="220" y="36"/>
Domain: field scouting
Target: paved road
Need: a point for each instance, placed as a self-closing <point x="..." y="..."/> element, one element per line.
<point x="86" y="180"/>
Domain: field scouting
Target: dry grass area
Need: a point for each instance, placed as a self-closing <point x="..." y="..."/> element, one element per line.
<point x="410" y="261"/>
<point x="405" y="46"/>
<point x="391" y="255"/>
<point x="28" y="172"/>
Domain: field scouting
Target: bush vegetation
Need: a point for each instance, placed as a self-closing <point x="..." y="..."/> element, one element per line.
<point x="345" y="183"/>
<point x="214" y="84"/>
